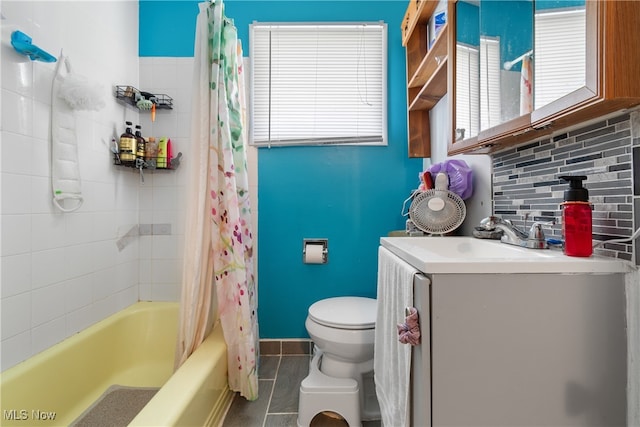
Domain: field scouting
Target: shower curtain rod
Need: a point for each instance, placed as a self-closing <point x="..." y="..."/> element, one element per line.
<point x="509" y="64"/>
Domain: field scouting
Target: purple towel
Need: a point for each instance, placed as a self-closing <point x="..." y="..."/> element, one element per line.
<point x="409" y="331"/>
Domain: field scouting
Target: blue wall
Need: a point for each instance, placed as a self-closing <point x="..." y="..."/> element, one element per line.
<point x="350" y="195"/>
<point x="468" y="23"/>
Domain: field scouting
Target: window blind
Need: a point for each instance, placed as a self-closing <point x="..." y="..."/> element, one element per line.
<point x="560" y="49"/>
<point x="319" y="84"/>
<point x="490" y="101"/>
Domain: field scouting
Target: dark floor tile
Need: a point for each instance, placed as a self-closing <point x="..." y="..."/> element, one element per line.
<point x="296" y="347"/>
<point x="244" y="413"/>
<point x="269" y="347"/>
<point x="280" y="378"/>
<point x="268" y="367"/>
<point x="281" y="420"/>
<point x="287" y="387"/>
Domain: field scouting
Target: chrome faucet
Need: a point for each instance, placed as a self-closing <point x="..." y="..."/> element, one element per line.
<point x="512" y="235"/>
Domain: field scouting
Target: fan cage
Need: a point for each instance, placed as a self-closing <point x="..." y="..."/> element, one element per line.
<point x="437" y="222"/>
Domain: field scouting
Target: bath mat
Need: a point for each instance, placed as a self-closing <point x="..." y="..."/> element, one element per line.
<point x="116" y="407"/>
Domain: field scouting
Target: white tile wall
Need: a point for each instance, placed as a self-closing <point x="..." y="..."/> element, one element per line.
<point x="62" y="272"/>
<point x="162" y="194"/>
<point x="57" y="269"/>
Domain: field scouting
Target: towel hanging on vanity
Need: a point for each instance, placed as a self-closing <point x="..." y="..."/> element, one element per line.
<point x="392" y="360"/>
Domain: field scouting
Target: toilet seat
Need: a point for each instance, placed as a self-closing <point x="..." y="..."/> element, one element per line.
<point x="355" y="313"/>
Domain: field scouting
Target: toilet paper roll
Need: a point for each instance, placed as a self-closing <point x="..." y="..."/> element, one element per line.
<point x="313" y="254"/>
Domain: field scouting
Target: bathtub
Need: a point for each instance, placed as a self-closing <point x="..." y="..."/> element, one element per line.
<point x="134" y="347"/>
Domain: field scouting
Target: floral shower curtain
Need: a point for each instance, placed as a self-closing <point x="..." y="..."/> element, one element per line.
<point x="218" y="239"/>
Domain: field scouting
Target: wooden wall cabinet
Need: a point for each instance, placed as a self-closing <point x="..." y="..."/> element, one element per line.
<point x="426" y="72"/>
<point x="612" y="83"/>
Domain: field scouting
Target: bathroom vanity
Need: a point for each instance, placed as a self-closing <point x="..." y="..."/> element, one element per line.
<point x="515" y="336"/>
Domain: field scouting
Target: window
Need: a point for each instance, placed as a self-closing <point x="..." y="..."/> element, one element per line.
<point x="316" y="84"/>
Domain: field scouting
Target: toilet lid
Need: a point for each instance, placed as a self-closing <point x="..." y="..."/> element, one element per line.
<point x="345" y="312"/>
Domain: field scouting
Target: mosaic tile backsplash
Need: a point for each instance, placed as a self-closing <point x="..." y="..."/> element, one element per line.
<point x="527" y="188"/>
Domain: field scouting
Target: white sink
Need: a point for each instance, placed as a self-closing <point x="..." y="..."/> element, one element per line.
<point x="471" y="255"/>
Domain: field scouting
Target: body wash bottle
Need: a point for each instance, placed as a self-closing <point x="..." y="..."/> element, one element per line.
<point x="127" y="146"/>
<point x="161" y="162"/>
<point x="576" y="218"/>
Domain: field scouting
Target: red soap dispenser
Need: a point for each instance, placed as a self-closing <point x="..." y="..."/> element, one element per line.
<point x="576" y="218"/>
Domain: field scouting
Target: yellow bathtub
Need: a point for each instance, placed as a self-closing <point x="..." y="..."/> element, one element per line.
<point x="134" y="347"/>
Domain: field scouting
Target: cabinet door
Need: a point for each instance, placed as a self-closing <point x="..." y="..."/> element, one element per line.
<point x="612" y="61"/>
<point x="566" y="73"/>
<point x="584" y="66"/>
<point x="499" y="79"/>
<point x="506" y="52"/>
<point x="528" y="349"/>
<point x="466" y="74"/>
<point x="421" y="356"/>
<point x="493" y="43"/>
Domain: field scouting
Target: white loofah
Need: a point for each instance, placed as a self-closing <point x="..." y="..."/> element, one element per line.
<point x="81" y="94"/>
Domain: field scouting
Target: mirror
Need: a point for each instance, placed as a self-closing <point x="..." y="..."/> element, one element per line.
<point x="498" y="76"/>
<point x="467" y="102"/>
<point x="559" y="68"/>
<point x="506" y="71"/>
<point x="494" y="41"/>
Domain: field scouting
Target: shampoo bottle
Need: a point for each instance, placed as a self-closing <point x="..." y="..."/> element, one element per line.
<point x="161" y="162"/>
<point x="127" y="146"/>
<point x="576" y="218"/>
<point x="151" y="153"/>
<point x="169" y="153"/>
<point x="140" y="146"/>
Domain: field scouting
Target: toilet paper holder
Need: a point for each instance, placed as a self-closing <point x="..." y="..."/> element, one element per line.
<point x="324" y="243"/>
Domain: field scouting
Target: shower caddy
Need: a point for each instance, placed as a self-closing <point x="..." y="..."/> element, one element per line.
<point x="129" y="95"/>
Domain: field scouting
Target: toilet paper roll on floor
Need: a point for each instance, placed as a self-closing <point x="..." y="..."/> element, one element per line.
<point x="314" y="254"/>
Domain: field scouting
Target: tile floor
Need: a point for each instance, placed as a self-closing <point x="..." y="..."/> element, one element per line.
<point x="282" y="367"/>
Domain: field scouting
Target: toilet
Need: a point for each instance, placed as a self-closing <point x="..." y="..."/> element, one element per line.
<point x="340" y="376"/>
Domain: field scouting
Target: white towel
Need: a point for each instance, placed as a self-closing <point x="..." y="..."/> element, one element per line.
<point x="392" y="360"/>
<point x="65" y="172"/>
